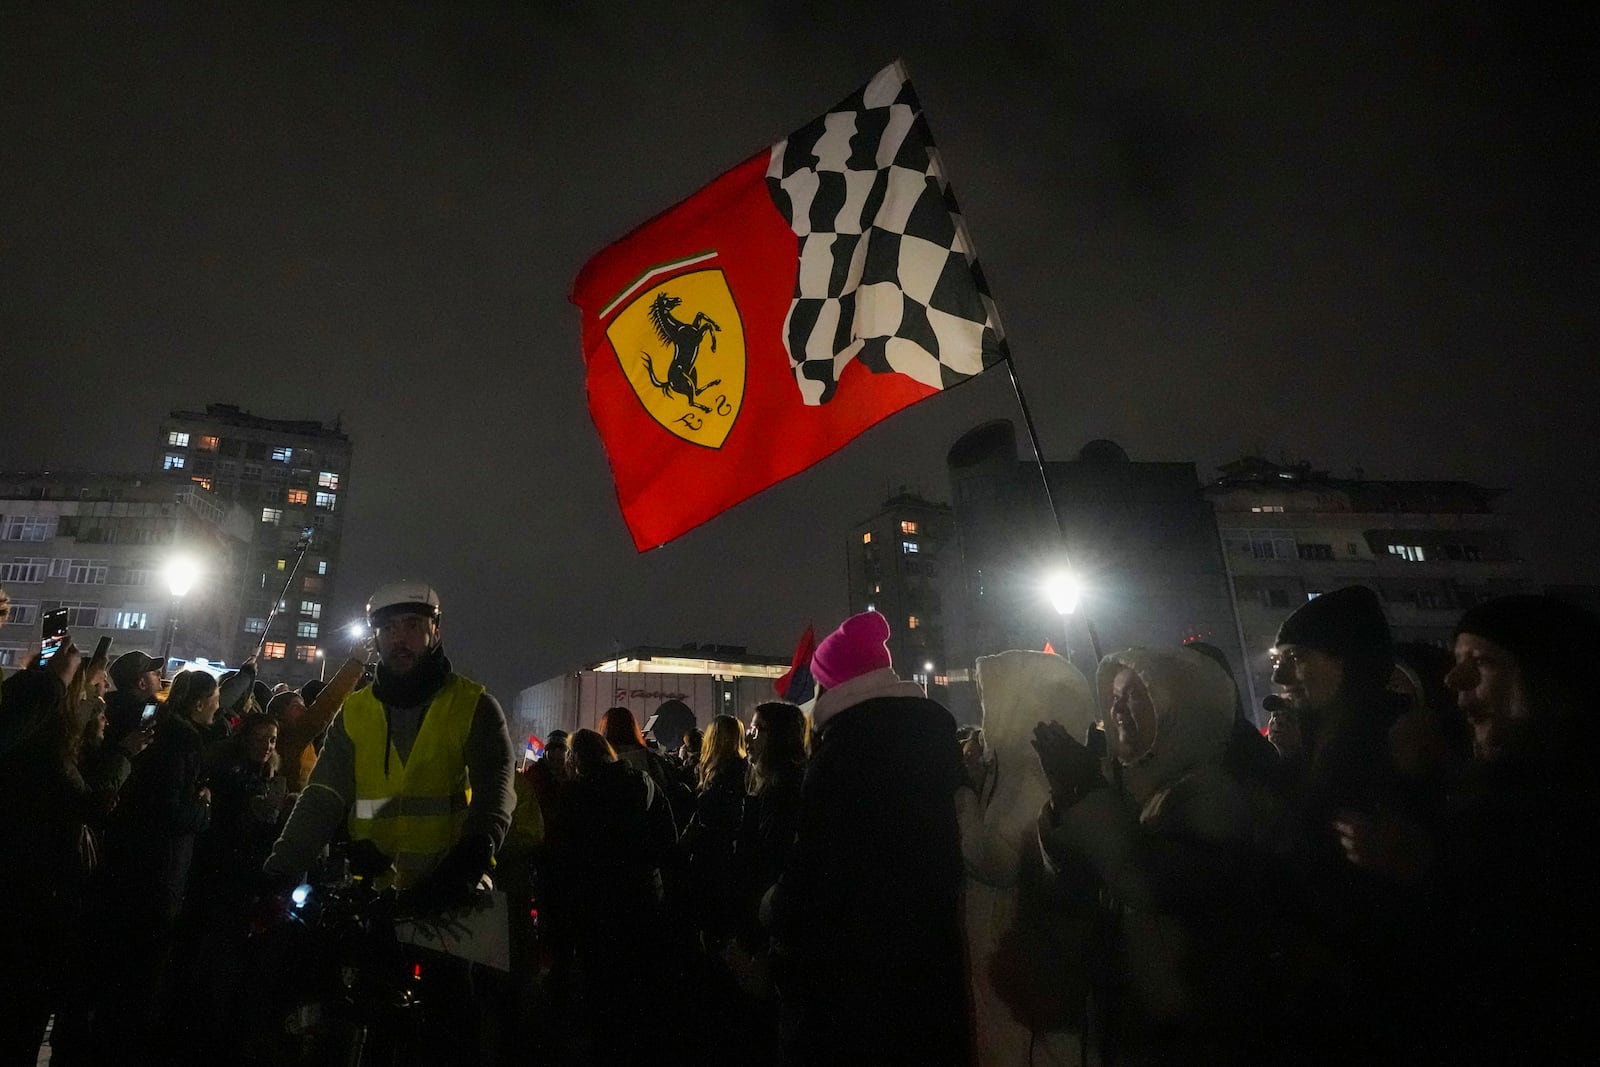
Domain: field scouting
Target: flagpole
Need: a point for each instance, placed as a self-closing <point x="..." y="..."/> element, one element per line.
<point x="1044" y="480"/>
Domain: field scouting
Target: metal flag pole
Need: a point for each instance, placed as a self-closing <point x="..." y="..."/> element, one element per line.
<point x="1049" y="497"/>
<point x="301" y="547"/>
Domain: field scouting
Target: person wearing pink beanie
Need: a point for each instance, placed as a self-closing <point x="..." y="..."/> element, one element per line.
<point x="867" y="917"/>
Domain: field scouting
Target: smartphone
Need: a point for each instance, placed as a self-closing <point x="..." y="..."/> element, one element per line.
<point x="52" y="645"/>
<point x="54" y="623"/>
<point x="149" y="714"/>
<point x="101" y="650"/>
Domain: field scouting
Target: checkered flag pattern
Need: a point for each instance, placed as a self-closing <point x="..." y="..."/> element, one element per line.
<point x="887" y="273"/>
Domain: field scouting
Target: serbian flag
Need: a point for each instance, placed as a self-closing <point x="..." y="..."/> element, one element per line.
<point x="797" y="685"/>
<point x="535" y="748"/>
<point x="761" y="324"/>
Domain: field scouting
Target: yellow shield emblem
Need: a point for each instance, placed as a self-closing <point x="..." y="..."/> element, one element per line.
<point x="681" y="346"/>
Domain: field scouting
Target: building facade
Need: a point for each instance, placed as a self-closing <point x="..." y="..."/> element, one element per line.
<point x="293" y="478"/>
<point x="896" y="565"/>
<point x="1138" y="538"/>
<point x="100" y="545"/>
<point x="1430" y="549"/>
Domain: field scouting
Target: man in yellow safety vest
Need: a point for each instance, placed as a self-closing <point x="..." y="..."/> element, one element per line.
<point x="418" y="766"/>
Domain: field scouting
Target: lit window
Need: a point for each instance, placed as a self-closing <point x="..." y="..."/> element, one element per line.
<point x="909" y="547"/>
<point x="1272" y="508"/>
<point x="255" y="625"/>
<point x="327" y="480"/>
<point x="177" y="439"/>
<point x="322" y="566"/>
<point x="877" y="587"/>
<point x="274" y="650"/>
<point x="311" y="609"/>
<point x="907" y="526"/>
<point x="872" y="607"/>
<point x="207" y="444"/>
<point x="912" y="622"/>
<point x="30" y="527"/>
<point x="172" y="462"/>
<point x="204" y="483"/>
<point x="1409" y="553"/>
<point x="298" y="496"/>
<point x="305" y="629"/>
<point x="283" y="564"/>
<point x="866" y="538"/>
<point x="131" y="620"/>
<point x="272" y="515"/>
<point x="282" y="455"/>
<point x="326" y="500"/>
<point x="312" y="584"/>
<point x="1313" y="594"/>
<point x="306" y="653"/>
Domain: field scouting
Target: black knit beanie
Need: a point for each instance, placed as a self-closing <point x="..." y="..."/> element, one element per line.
<point x="1349" y="624"/>
<point x="1554" y="641"/>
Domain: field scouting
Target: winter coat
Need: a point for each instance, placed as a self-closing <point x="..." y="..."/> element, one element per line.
<point x="151" y="836"/>
<point x="867" y="917"/>
<point x="606" y="851"/>
<point x="1017" y="690"/>
<point x="1183" y="958"/>
<point x="717" y="887"/>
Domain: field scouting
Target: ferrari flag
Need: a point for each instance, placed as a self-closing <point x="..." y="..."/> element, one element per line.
<point x="761" y="324"/>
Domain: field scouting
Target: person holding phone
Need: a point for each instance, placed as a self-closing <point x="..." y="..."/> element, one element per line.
<point x="136" y="678"/>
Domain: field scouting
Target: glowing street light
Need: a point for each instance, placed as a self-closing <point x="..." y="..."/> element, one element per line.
<point x="181" y="573"/>
<point x="1064" y="590"/>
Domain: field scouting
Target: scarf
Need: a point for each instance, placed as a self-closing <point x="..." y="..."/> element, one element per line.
<point x="416" y="687"/>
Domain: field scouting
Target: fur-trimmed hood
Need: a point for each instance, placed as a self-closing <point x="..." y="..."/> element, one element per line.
<point x="882" y="682"/>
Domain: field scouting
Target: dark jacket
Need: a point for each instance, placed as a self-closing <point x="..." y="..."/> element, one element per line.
<point x="151" y="837"/>
<point x="867" y="917"/>
<point x="717" y="887"/>
<point x="606" y="852"/>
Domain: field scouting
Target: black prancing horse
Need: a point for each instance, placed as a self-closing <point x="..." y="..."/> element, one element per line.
<point x="684" y="337"/>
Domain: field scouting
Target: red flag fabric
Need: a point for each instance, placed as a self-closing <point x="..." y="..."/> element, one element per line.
<point x="799" y="674"/>
<point x="758" y="326"/>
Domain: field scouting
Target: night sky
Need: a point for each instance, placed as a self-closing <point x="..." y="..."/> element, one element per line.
<point x="1362" y="237"/>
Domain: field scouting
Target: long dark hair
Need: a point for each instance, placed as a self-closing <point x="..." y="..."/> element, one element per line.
<point x="619" y="727"/>
<point x="587" y="750"/>
<point x="786" y="739"/>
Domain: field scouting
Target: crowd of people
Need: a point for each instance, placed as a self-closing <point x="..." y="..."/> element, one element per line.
<point x="1114" y="870"/>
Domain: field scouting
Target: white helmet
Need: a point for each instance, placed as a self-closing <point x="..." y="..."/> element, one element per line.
<point x="410" y="597"/>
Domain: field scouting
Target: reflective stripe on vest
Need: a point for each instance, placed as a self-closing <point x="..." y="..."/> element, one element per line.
<point x="414" y="812"/>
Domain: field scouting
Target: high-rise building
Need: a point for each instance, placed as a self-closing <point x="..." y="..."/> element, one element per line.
<point x="1429" y="549"/>
<point x="1140" y="537"/>
<point x="293" y="477"/>
<point x="102" y="546"/>
<point x="896" y="563"/>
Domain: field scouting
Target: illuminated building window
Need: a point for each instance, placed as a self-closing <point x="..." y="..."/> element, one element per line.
<point x="282" y="455"/>
<point x="172" y="462"/>
<point x="866" y="538"/>
<point x="272" y="515"/>
<point x="912" y="622"/>
<point x="907" y="526"/>
<point x="274" y="650"/>
<point x="204" y="483"/>
<point x="311" y="609"/>
<point x="207" y="444"/>
<point x="305" y="629"/>
<point x="177" y="439"/>
<point x="1409" y="553"/>
<point x="322" y="566"/>
<point x="327" y="480"/>
<point x="312" y="584"/>
<point x="298" y="496"/>
<point x="282" y="564"/>
<point x="909" y="547"/>
<point x="1271" y="508"/>
<point x="131" y="620"/>
<point x="306" y="653"/>
<point x="255" y="625"/>
<point x="326" y="500"/>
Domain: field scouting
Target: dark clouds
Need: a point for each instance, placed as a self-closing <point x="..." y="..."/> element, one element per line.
<point x="1359" y="235"/>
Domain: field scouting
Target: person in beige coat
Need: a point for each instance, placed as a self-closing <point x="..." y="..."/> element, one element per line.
<point x="1018" y="689"/>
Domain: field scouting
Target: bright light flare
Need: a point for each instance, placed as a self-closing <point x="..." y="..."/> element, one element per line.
<point x="1064" y="590"/>
<point x="181" y="574"/>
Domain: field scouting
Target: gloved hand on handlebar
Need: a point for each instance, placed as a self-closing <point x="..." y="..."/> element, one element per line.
<point x="453" y="881"/>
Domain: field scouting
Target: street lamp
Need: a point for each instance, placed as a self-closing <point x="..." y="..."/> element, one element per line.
<point x="1064" y="590"/>
<point x="322" y="665"/>
<point x="181" y="572"/>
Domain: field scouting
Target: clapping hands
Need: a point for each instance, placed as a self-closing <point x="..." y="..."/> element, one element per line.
<point x="1070" y="768"/>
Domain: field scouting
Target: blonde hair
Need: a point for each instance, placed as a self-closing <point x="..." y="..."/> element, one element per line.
<point x="724" y="743"/>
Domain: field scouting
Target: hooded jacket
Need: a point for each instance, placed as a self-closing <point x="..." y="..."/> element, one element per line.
<point x="1172" y="850"/>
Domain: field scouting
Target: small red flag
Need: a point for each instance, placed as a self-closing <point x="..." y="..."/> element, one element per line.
<point x="796" y="685"/>
<point x="758" y="326"/>
<point x="1049" y="648"/>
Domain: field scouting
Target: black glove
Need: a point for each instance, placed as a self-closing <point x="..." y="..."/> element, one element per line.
<point x="1072" y="770"/>
<point x="453" y="881"/>
<point x="367" y="860"/>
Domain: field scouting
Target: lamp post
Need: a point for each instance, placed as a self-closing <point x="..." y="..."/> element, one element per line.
<point x="181" y="572"/>
<point x="322" y="665"/>
<point x="1065" y="590"/>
